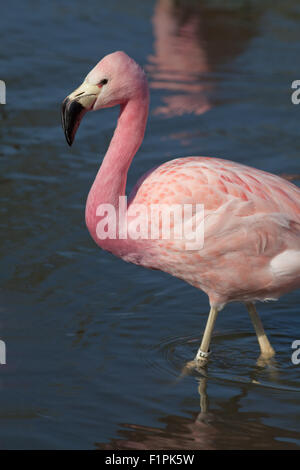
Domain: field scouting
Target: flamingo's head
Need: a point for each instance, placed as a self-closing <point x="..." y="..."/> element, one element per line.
<point x="115" y="80"/>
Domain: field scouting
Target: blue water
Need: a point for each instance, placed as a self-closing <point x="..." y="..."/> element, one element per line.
<point x="96" y="346"/>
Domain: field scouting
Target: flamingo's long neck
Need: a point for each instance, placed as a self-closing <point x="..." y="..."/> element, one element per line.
<point x="110" y="182"/>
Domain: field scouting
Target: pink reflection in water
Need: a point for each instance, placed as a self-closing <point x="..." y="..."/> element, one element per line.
<point x="178" y="61"/>
<point x="192" y="39"/>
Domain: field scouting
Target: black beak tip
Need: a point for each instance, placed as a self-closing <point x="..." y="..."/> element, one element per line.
<point x="69" y="139"/>
<point x="71" y="114"/>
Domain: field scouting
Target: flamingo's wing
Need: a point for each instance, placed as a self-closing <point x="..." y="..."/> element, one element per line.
<point x="245" y="210"/>
<point x="213" y="182"/>
<point x="251" y="218"/>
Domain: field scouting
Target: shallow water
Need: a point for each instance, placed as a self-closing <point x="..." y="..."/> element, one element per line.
<point x="95" y="346"/>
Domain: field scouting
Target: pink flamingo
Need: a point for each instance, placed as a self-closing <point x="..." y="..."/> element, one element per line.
<point x="251" y="250"/>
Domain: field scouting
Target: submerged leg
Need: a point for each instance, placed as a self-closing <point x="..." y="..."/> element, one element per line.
<point x="203" y="353"/>
<point x="265" y="347"/>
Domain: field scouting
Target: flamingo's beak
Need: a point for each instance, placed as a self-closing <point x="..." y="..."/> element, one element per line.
<point x="75" y="106"/>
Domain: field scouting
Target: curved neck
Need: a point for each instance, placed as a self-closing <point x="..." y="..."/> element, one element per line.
<point x="110" y="182"/>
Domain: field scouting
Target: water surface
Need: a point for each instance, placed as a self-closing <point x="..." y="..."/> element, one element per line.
<point x="95" y="346"/>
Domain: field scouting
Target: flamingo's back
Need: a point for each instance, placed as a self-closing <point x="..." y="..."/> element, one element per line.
<point x="252" y="228"/>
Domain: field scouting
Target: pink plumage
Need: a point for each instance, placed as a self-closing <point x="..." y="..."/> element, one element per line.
<point x="251" y="218"/>
<point x="252" y="229"/>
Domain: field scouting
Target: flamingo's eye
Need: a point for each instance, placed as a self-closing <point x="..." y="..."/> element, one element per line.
<point x="103" y="82"/>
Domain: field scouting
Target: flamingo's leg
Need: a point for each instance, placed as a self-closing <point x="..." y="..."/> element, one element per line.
<point x="265" y="347"/>
<point x="203" y="351"/>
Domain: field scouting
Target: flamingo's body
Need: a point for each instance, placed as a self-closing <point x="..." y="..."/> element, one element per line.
<point x="251" y="218"/>
<point x="252" y="230"/>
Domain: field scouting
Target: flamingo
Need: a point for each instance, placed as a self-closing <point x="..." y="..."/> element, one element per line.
<point x="251" y="249"/>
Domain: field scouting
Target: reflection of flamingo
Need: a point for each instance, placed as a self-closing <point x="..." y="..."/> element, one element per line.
<point x="178" y="62"/>
<point x="191" y="40"/>
<point x="225" y="427"/>
<point x="252" y="218"/>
